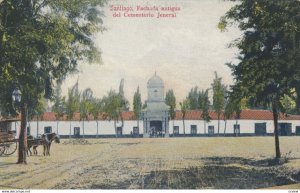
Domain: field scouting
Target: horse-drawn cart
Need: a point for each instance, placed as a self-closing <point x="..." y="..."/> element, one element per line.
<point x="8" y="141"/>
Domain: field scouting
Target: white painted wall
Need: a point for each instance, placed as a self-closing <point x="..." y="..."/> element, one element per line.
<point x="246" y="126"/>
<point x="107" y="127"/>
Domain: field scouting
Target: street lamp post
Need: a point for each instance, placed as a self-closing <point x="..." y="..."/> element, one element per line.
<point x="16" y="96"/>
<point x="17" y="100"/>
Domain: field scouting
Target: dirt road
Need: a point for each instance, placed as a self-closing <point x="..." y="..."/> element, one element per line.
<point x="157" y="163"/>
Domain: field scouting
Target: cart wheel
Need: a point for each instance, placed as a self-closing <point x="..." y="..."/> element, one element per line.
<point x="2" y="148"/>
<point x="10" y="148"/>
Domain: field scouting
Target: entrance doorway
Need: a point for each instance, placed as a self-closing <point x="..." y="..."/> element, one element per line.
<point x="285" y="129"/>
<point x="77" y="132"/>
<point x="156" y="129"/>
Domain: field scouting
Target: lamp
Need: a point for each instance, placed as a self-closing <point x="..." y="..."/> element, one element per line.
<point x="16" y="95"/>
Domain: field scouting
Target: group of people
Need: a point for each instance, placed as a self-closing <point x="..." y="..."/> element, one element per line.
<point x="156" y="133"/>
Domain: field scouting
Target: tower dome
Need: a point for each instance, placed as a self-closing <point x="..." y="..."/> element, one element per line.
<point x="155" y="81"/>
<point x="155" y="88"/>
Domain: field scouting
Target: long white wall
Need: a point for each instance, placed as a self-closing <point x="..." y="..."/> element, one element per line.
<point x="246" y="126"/>
<point x="107" y="127"/>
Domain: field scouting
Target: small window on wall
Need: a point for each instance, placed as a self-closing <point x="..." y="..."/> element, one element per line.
<point x="28" y="130"/>
<point x="285" y="129"/>
<point x="136" y="131"/>
<point x="236" y="129"/>
<point x="260" y="128"/>
<point x="193" y="129"/>
<point x="77" y="132"/>
<point x="298" y="130"/>
<point x="119" y="131"/>
<point x="47" y="129"/>
<point x="211" y="130"/>
<point x="176" y="130"/>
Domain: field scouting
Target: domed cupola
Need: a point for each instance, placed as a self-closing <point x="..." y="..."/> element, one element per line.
<point x="155" y="87"/>
<point x="155" y="81"/>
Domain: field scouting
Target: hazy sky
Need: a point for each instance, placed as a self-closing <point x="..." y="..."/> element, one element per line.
<point x="184" y="51"/>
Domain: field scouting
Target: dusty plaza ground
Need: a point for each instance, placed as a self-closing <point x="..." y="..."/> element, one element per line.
<point x="158" y="163"/>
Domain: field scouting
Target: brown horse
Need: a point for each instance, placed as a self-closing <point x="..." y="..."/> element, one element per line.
<point x="47" y="139"/>
<point x="33" y="143"/>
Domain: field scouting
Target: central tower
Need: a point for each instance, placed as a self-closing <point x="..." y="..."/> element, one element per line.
<point x="156" y="114"/>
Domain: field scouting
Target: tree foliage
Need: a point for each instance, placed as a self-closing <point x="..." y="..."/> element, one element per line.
<point x="171" y="102"/>
<point x="196" y="97"/>
<point x="42" y="41"/>
<point x="59" y="102"/>
<point x="184" y="107"/>
<point x="73" y="101"/>
<point x="268" y="67"/>
<point x="137" y="104"/>
<point x="219" y="91"/>
<point x="205" y="107"/>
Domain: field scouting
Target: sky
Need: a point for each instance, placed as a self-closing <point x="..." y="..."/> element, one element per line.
<point x="184" y="51"/>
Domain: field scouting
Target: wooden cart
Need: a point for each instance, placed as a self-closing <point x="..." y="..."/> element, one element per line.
<point x="8" y="141"/>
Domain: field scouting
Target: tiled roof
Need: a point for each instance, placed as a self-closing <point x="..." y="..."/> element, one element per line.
<point x="48" y="116"/>
<point x="190" y="115"/>
<point x="245" y="114"/>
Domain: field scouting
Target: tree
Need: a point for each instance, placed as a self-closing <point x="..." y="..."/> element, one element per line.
<point x="124" y="101"/>
<point x="40" y="42"/>
<point x="97" y="108"/>
<point x="171" y="102"/>
<point x="85" y="107"/>
<point x="113" y="107"/>
<point x="72" y="103"/>
<point x="205" y="109"/>
<point x="59" y="105"/>
<point x="234" y="105"/>
<point x="195" y="97"/>
<point x="268" y="67"/>
<point x="184" y="107"/>
<point x="288" y="104"/>
<point x="137" y="105"/>
<point x="39" y="111"/>
<point x="218" y="97"/>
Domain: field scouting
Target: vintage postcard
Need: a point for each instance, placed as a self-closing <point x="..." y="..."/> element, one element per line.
<point x="149" y="94"/>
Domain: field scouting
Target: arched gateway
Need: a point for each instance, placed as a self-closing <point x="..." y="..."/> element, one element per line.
<point x="156" y="114"/>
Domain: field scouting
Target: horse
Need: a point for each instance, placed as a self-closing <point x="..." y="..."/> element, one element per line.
<point x="33" y="142"/>
<point x="47" y="139"/>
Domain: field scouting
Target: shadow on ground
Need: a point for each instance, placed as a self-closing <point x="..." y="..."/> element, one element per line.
<point x="224" y="173"/>
<point x="268" y="162"/>
<point x="216" y="173"/>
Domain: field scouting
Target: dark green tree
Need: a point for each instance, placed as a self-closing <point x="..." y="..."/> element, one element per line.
<point x="218" y="97"/>
<point x="233" y="106"/>
<point x="124" y="101"/>
<point x="113" y="106"/>
<point x="137" y="105"/>
<point x="72" y="103"/>
<point x="85" y="107"/>
<point x="97" y="108"/>
<point x="205" y="109"/>
<point x="41" y="42"/>
<point x="184" y="107"/>
<point x="193" y="96"/>
<point x="59" y="106"/>
<point x="171" y="102"/>
<point x="268" y="67"/>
